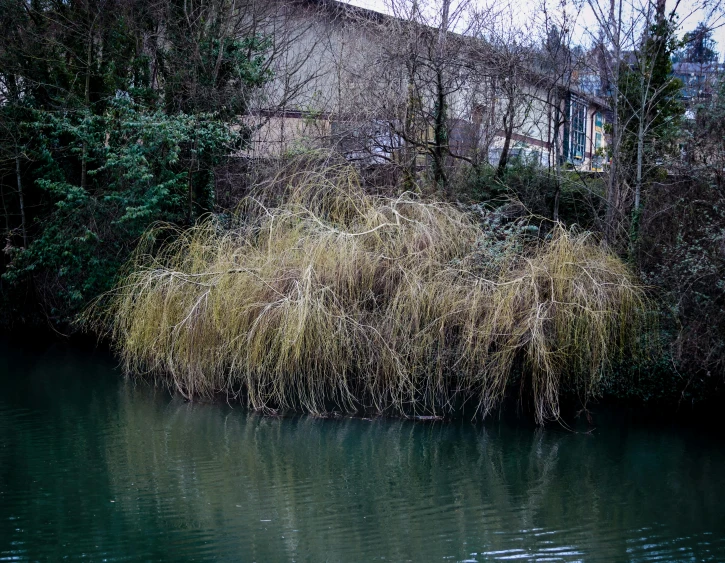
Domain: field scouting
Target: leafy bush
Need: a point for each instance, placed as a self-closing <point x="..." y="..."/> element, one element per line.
<point x="681" y="251"/>
<point x="147" y="166"/>
<point x="580" y="195"/>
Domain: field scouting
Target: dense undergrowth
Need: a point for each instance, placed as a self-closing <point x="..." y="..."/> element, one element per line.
<point x="335" y="299"/>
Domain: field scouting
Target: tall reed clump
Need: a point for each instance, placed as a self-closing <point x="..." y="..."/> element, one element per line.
<point x="337" y="299"/>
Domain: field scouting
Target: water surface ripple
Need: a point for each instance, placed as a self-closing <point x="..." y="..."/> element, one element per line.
<point x="95" y="467"/>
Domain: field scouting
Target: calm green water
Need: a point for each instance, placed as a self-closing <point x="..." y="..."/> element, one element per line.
<point x="95" y="467"/>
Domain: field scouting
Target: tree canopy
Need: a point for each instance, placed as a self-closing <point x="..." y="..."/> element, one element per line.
<point x="113" y="115"/>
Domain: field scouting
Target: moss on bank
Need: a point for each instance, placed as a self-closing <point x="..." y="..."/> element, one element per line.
<point x="335" y="297"/>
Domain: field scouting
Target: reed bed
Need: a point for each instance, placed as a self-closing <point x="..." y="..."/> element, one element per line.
<point x="335" y="299"/>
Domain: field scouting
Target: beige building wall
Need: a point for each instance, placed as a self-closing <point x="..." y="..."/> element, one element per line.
<point x="334" y="77"/>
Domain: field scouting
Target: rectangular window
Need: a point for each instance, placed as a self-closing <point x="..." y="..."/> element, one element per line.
<point x="578" y="129"/>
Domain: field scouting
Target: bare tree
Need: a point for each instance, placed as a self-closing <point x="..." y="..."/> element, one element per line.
<point x="631" y="37"/>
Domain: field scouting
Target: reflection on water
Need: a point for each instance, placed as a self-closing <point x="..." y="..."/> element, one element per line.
<point x="93" y="465"/>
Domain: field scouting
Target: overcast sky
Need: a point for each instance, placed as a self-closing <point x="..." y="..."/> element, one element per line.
<point x="586" y="22"/>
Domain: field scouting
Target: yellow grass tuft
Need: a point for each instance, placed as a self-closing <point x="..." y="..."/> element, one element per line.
<point x="337" y="299"/>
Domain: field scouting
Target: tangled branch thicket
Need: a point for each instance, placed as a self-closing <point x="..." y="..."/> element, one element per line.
<point x="337" y="299"/>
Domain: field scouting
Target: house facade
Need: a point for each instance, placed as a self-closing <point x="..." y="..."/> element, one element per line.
<point x="359" y="86"/>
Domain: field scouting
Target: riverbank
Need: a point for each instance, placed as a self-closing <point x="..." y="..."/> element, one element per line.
<point x="333" y="299"/>
<point x="316" y="296"/>
<point x="614" y="408"/>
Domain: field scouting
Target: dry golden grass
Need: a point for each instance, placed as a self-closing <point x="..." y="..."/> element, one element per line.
<point x="336" y="299"/>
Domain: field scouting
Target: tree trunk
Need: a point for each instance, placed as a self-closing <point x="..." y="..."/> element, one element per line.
<point x="508" y="125"/>
<point x="87" y="92"/>
<point x="21" y="198"/>
<point x="640" y="158"/>
<point x="190" y="178"/>
<point x="557" y="170"/>
<point x="440" y="143"/>
<point x="610" y="228"/>
<point x="190" y="194"/>
<point x="409" y="151"/>
<point x="557" y="124"/>
<point x="6" y="215"/>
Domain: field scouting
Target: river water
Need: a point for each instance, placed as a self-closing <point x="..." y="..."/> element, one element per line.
<point x="95" y="467"/>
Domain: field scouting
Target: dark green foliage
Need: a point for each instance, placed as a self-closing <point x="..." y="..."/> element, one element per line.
<point x="143" y="166"/>
<point x="649" y="102"/>
<point x="698" y="46"/>
<point x="656" y="382"/>
<point x="580" y="196"/>
<point x="705" y="135"/>
<point x="113" y="115"/>
<point x="219" y="74"/>
<point x="681" y="251"/>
